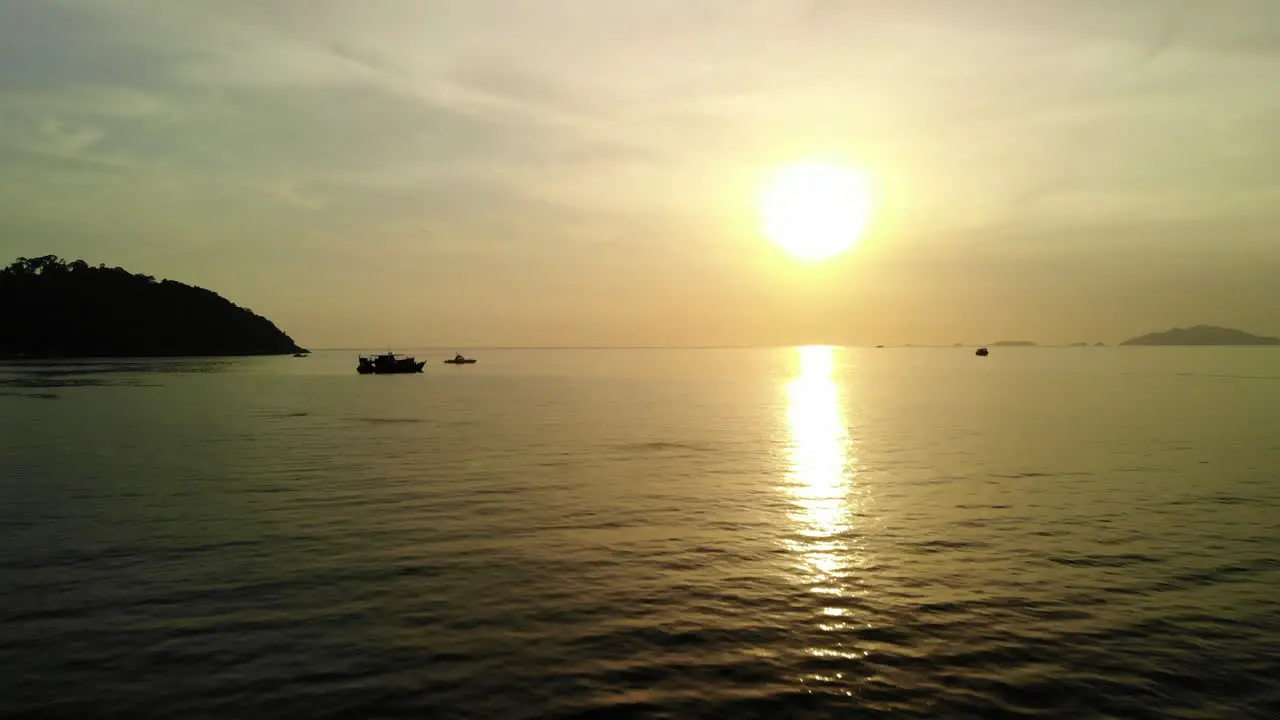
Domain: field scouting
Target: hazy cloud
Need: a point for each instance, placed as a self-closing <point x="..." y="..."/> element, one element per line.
<point x="533" y="152"/>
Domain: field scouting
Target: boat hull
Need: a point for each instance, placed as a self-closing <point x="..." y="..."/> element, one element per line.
<point x="406" y="369"/>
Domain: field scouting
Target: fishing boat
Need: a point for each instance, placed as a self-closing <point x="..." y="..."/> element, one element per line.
<point x="459" y="360"/>
<point x="388" y="364"/>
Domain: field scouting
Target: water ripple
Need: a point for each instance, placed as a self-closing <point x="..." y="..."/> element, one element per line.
<point x="839" y="539"/>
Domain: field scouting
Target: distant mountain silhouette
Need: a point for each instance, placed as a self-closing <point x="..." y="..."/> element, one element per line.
<point x="52" y="308"/>
<point x="1014" y="343"/>
<point x="1202" y="335"/>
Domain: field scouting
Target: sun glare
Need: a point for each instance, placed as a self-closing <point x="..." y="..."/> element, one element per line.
<point x="815" y="211"/>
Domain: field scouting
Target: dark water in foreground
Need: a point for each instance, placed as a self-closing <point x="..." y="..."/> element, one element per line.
<point x="1052" y="533"/>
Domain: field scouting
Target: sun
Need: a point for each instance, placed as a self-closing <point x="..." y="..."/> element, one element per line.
<point x="816" y="210"/>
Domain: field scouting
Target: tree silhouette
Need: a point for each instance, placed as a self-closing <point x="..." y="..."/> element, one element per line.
<point x="51" y="308"/>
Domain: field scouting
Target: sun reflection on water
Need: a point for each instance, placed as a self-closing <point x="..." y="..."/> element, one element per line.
<point x="820" y="483"/>
<point x="819" y="461"/>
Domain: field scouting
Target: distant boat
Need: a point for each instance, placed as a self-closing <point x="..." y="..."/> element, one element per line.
<point x="982" y="352"/>
<point x="459" y="360"/>
<point x="388" y="364"/>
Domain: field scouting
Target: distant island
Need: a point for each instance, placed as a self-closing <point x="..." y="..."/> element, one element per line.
<point x="50" y="308"/>
<point x="1202" y="335"/>
<point x="1014" y="343"/>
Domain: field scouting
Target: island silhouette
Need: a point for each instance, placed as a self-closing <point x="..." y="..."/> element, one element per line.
<point x="50" y="308"/>
<point x="1202" y="335"/>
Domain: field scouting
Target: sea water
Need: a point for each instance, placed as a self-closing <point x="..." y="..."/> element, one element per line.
<point x="767" y="533"/>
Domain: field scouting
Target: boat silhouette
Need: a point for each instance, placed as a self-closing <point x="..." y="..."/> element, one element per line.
<point x="459" y="360"/>
<point x="388" y="364"/>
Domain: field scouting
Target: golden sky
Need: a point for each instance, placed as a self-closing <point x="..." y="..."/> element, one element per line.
<point x="581" y="172"/>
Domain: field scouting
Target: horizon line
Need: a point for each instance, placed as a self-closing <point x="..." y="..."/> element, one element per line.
<point x="782" y="346"/>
